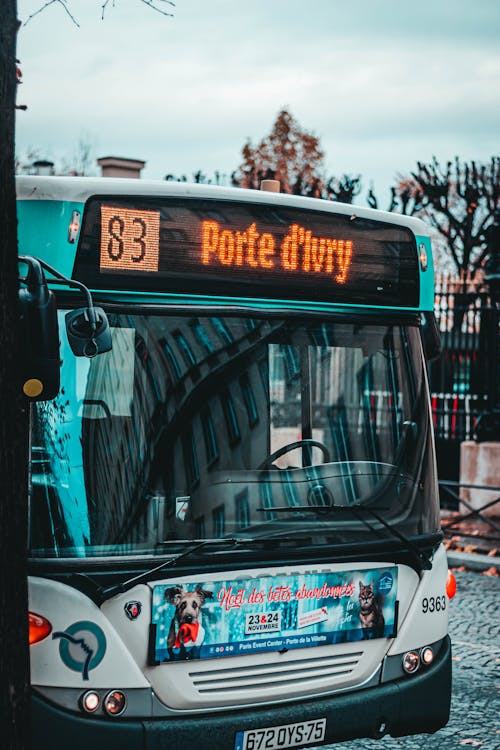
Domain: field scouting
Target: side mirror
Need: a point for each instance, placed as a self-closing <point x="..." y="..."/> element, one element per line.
<point x="431" y="337"/>
<point x="39" y="352"/>
<point x="88" y="331"/>
<point x="410" y="430"/>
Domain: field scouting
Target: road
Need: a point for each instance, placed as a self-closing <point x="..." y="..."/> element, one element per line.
<point x="475" y="706"/>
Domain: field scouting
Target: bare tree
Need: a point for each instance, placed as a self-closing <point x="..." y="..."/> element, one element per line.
<point x="343" y="189"/>
<point x="460" y="201"/>
<point x="158" y="5"/>
<point x="80" y="163"/>
<point x="405" y="197"/>
<point x="218" y="178"/>
<point x="82" y="160"/>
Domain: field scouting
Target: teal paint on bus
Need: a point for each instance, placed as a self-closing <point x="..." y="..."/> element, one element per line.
<point x="427" y="276"/>
<point x="43" y="231"/>
<point x="180" y="300"/>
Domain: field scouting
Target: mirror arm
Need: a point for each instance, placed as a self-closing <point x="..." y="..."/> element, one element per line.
<point x="88" y="328"/>
<point x="61" y="280"/>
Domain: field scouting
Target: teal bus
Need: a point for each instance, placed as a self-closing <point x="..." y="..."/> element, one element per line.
<point x="234" y="531"/>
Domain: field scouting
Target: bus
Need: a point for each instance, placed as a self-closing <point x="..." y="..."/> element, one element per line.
<point x="234" y="529"/>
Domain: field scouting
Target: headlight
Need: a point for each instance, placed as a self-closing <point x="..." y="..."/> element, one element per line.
<point x="411" y="662"/>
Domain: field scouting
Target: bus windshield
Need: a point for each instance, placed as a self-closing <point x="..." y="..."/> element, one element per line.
<point x="205" y="426"/>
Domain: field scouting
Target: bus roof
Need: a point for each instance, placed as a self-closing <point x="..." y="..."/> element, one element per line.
<point x="79" y="189"/>
<point x="234" y="242"/>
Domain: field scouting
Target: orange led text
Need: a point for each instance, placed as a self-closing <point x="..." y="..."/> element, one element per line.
<point x="300" y="250"/>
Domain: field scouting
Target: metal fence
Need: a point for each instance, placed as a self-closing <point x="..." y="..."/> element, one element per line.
<point x="464" y="381"/>
<point x="471" y="527"/>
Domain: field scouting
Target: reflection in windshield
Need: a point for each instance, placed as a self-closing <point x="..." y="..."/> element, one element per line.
<point x="198" y="427"/>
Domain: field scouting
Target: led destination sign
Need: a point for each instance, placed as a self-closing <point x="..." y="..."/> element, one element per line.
<point x="247" y="250"/>
<point x="129" y="239"/>
<point x="299" y="250"/>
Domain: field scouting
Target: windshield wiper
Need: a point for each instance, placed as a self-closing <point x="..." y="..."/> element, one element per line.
<point x="422" y="560"/>
<point x="105" y="593"/>
<point x="108" y="592"/>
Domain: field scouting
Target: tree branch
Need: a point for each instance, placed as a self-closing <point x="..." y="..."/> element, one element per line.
<point x="151" y="4"/>
<point x="47" y="4"/>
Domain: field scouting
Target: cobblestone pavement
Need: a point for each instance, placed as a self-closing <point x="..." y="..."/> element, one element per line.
<point x="475" y="706"/>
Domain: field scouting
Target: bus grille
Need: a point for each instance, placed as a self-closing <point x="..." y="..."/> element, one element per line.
<point x="265" y="676"/>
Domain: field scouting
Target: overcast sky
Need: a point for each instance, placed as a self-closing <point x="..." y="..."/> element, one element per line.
<point x="382" y="83"/>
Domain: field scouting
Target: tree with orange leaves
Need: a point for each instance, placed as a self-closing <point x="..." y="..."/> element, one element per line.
<point x="288" y="154"/>
<point x="293" y="156"/>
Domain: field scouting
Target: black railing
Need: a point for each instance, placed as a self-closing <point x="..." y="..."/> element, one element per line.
<point x="464" y="382"/>
<point x="460" y="524"/>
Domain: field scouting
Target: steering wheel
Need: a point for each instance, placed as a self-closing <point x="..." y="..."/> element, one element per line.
<point x="292" y="446"/>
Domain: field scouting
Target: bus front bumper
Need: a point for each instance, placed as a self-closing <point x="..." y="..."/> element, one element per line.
<point x="412" y="705"/>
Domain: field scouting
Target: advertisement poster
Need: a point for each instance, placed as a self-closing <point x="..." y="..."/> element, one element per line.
<point x="243" y="616"/>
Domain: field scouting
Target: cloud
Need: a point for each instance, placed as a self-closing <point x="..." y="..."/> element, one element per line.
<point x="381" y="83"/>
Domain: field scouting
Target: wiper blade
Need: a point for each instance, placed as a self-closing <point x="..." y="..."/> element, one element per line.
<point x="120" y="588"/>
<point x="237" y="541"/>
<point x="422" y="560"/>
<point x="105" y="593"/>
<point x="195" y="543"/>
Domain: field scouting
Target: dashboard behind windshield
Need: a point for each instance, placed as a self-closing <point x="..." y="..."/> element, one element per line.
<point x="210" y="426"/>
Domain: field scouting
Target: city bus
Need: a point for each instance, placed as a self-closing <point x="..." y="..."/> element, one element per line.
<point x="234" y="531"/>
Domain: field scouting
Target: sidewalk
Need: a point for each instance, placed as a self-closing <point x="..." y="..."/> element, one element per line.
<point x="471" y="544"/>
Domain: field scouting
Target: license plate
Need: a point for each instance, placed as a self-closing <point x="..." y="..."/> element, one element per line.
<point x="286" y="735"/>
<point x="263" y="622"/>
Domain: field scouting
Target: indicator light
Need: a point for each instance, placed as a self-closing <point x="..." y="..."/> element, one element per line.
<point x="411" y="662"/>
<point x="38" y="627"/>
<point x="423" y="257"/>
<point x="114" y="703"/>
<point x="74" y="227"/>
<point x="427" y="655"/>
<point x="451" y="585"/>
<point x="90" y="701"/>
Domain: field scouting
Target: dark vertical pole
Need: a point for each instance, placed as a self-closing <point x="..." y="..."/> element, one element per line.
<point x="14" y="655"/>
<point x="492" y="278"/>
<point x="306" y="403"/>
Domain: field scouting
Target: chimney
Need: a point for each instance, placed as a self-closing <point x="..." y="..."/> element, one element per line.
<point x="117" y="166"/>
<point x="42" y="167"/>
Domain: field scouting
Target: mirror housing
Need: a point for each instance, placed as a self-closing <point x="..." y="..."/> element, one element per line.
<point x="88" y="331"/>
<point x="39" y="336"/>
<point x="431" y="337"/>
<point x="87" y="328"/>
